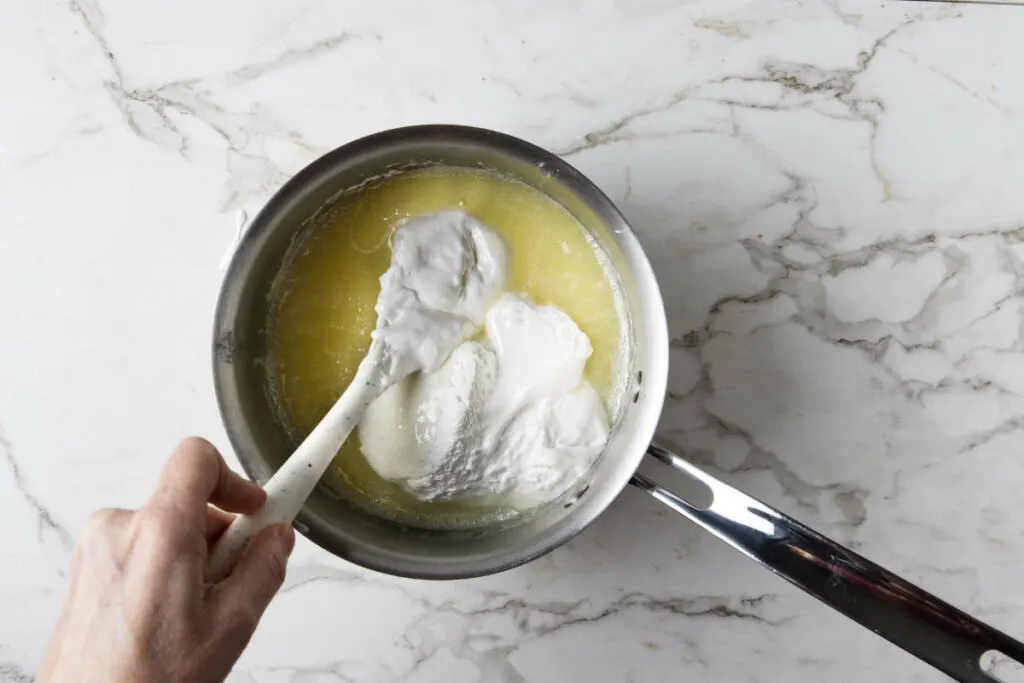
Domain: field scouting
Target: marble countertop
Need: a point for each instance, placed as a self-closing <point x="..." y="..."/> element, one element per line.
<point x="830" y="191"/>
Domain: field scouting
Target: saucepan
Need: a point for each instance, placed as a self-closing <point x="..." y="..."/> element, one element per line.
<point x="922" y="624"/>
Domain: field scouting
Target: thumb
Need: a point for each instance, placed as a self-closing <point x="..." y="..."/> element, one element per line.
<point x="257" y="576"/>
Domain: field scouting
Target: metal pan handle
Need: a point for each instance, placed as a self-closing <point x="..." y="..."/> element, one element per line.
<point x="907" y="616"/>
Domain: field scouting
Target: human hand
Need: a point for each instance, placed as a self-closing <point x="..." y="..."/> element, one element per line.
<point x="138" y="609"/>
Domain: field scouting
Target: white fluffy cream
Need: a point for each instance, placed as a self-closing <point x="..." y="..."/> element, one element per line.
<point x="417" y="425"/>
<point x="446" y="269"/>
<point x="508" y="420"/>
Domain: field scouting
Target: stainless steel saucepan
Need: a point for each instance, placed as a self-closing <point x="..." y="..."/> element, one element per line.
<point x="922" y="624"/>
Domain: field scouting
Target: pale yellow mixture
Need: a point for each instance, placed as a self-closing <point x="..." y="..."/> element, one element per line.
<point x="323" y="311"/>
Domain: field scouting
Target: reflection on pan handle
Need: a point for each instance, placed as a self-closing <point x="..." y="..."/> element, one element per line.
<point x="907" y="616"/>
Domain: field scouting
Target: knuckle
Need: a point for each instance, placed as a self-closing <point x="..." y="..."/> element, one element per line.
<point x="100" y="534"/>
<point x="194" y="461"/>
<point x="195" y="444"/>
<point x="99" y="523"/>
<point x="195" y="452"/>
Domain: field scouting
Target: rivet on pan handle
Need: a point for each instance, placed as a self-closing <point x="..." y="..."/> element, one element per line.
<point x="897" y="610"/>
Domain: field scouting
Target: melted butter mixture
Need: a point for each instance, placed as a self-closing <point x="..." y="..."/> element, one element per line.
<point x="323" y="308"/>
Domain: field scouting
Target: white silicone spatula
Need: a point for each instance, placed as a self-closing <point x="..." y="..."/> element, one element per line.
<point x="445" y="269"/>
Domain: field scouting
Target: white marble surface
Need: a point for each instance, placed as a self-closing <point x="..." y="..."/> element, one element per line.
<point x="830" y="191"/>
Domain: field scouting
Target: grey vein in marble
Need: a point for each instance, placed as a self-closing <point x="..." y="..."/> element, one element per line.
<point x="47" y="524"/>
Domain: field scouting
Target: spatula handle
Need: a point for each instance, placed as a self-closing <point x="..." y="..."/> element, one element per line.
<point x="291" y="485"/>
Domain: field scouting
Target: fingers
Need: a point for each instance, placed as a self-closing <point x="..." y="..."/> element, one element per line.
<point x="196" y="474"/>
<point x="244" y="595"/>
